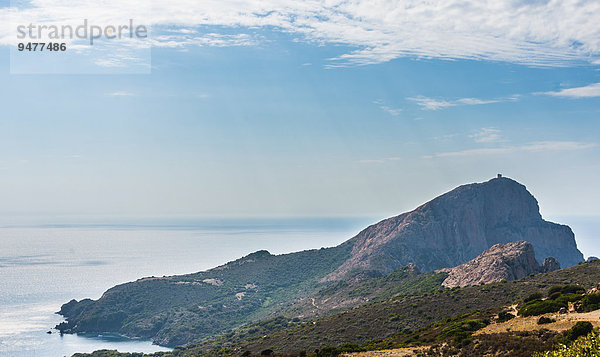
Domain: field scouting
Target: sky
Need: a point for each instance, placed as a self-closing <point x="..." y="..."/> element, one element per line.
<point x="301" y="108"/>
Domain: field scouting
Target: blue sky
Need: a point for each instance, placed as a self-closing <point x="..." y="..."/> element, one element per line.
<point x="328" y="116"/>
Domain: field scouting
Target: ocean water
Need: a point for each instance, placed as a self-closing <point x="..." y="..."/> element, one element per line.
<point x="42" y="267"/>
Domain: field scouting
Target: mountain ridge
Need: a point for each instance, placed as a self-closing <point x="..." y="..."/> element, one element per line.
<point x="456" y="227"/>
<point x="444" y="232"/>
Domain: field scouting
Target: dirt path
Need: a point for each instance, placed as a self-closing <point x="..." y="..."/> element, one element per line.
<point x="563" y="322"/>
<point x="400" y="352"/>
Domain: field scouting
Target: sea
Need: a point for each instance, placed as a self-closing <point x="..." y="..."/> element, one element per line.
<point x="43" y="266"/>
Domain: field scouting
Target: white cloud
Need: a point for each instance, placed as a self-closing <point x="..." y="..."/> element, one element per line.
<point x="475" y="101"/>
<point x="542" y="146"/>
<point x="183" y="31"/>
<point x="187" y="39"/>
<point x="391" y="111"/>
<point x="589" y="91"/>
<point x="436" y="104"/>
<point x="445" y="137"/>
<point x="430" y="103"/>
<point x="541" y="33"/>
<point x="487" y="135"/>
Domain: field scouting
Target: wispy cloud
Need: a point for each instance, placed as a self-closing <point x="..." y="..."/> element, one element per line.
<point x="541" y="146"/>
<point x="487" y="135"/>
<point x="428" y="103"/>
<point x="541" y="33"/>
<point x="446" y="137"/>
<point x="192" y="38"/>
<point x="476" y="101"/>
<point x="388" y="109"/>
<point x="589" y="91"/>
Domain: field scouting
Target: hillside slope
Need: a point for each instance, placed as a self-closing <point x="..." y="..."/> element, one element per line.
<point x="178" y="309"/>
<point x="445" y="232"/>
<point x="396" y="320"/>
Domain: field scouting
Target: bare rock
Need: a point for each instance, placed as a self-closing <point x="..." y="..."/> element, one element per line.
<point x="457" y="227"/>
<point x="550" y="264"/>
<point x="510" y="261"/>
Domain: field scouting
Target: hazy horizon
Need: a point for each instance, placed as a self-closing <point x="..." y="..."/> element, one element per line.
<point x="585" y="228"/>
<point x="265" y="109"/>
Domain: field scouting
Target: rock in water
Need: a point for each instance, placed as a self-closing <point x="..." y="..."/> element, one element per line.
<point x="456" y="227"/>
<point x="510" y="261"/>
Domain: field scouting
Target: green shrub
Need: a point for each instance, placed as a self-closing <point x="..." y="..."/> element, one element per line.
<point x="566" y="289"/>
<point x="328" y="351"/>
<point x="558" y="296"/>
<point x="545" y="320"/>
<point x="534" y="296"/>
<point x="540" y="307"/>
<point x="591" y="302"/>
<point x="349" y="347"/>
<point x="582" y="328"/>
<point x="461" y="331"/>
<point x="570" y="297"/>
<point x="586" y="346"/>
<point x="505" y="316"/>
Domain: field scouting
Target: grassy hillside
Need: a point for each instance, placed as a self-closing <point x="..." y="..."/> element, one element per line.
<point x="429" y="319"/>
<point x="363" y="288"/>
<point x="176" y="310"/>
<point x="397" y="321"/>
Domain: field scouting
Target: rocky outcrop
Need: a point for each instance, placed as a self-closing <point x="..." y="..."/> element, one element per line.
<point x="550" y="264"/>
<point x="458" y="226"/>
<point x="510" y="261"/>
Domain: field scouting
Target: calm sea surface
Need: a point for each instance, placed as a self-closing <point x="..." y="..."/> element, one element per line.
<point x="42" y="267"/>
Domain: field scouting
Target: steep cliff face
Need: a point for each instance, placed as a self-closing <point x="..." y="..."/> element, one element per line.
<point x="510" y="261"/>
<point x="456" y="227"/>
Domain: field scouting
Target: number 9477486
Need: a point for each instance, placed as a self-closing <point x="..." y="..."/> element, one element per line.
<point x="42" y="46"/>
